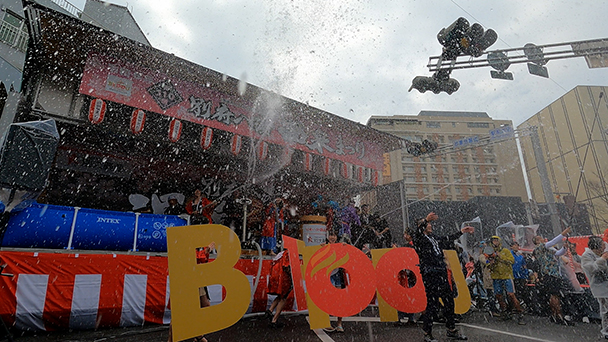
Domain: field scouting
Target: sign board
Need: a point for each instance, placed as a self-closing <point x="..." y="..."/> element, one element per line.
<point x="466" y="141"/>
<point x="310" y="276"/>
<point x="504" y="132"/>
<point x="154" y="91"/>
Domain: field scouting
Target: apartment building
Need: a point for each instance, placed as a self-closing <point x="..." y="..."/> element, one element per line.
<point x="573" y="133"/>
<point x="469" y="164"/>
<point x="14" y="33"/>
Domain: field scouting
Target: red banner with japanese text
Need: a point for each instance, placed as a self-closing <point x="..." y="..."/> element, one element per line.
<point x="155" y="91"/>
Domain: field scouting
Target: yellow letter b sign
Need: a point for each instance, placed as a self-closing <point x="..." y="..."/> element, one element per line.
<point x="186" y="277"/>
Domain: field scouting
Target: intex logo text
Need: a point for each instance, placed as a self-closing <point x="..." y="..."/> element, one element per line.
<point x="108" y="220"/>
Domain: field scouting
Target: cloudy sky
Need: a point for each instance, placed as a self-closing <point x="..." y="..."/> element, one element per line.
<point x="357" y="58"/>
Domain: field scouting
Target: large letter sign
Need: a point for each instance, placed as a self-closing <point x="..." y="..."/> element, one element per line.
<point x="186" y="276"/>
<point x="392" y="295"/>
<point x="360" y="273"/>
<point x="313" y="289"/>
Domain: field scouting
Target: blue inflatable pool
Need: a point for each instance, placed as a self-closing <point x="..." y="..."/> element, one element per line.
<point x="60" y="227"/>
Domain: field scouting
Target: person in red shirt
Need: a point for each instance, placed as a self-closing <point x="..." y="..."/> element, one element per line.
<point x="279" y="284"/>
<point x="200" y="208"/>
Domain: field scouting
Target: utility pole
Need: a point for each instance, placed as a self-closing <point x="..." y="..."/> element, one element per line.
<point x="544" y="180"/>
<point x="404" y="211"/>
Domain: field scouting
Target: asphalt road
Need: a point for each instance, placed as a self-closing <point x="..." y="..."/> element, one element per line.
<point x="477" y="326"/>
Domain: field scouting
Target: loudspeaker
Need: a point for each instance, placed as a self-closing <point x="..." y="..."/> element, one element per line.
<point x="27" y="154"/>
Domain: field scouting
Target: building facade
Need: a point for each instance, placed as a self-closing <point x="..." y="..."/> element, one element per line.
<point x="14" y="33"/>
<point x="573" y="137"/>
<point x="467" y="163"/>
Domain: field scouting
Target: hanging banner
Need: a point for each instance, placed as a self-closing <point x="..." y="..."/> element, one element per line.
<point x="262" y="150"/>
<point x="175" y="130"/>
<point x="327" y="166"/>
<point x="97" y="111"/>
<point x="360" y="174"/>
<point x="236" y="144"/>
<point x="299" y="127"/>
<point x="138" y="119"/>
<point x="375" y="176"/>
<point x="308" y="162"/>
<point x="206" y="137"/>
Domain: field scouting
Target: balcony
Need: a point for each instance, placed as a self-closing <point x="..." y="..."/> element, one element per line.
<point x="13" y="36"/>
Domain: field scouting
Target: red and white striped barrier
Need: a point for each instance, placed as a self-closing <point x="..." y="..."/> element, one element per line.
<point x="58" y="291"/>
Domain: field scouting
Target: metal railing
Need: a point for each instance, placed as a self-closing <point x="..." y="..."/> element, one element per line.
<point x="66" y="5"/>
<point x="13" y="36"/>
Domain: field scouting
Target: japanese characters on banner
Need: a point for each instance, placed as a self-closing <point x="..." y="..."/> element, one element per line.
<point x="154" y="91"/>
<point x="235" y="144"/>
<point x="97" y="111"/>
<point x="138" y="119"/>
<point x="206" y="137"/>
<point x="175" y="130"/>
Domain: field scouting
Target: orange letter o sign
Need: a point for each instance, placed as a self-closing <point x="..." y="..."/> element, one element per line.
<point x="359" y="278"/>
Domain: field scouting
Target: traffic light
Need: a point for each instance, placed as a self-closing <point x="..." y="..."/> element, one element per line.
<point x="437" y="83"/>
<point x="462" y="38"/>
<point x="426" y="147"/>
<point x="451" y="37"/>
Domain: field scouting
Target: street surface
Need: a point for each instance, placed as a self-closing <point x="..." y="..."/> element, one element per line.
<point x="477" y="326"/>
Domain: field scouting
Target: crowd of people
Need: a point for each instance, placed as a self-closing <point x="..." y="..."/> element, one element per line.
<point x="267" y="222"/>
<point x="505" y="282"/>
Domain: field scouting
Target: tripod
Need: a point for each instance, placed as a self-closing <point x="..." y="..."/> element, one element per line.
<point x="7" y="333"/>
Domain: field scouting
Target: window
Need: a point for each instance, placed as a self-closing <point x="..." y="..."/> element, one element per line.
<point x="478" y="125"/>
<point x="423" y="169"/>
<point x="383" y="122"/>
<point x="408" y="169"/>
<point x="433" y="124"/>
<point x="410" y="179"/>
<point x="13" y="31"/>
